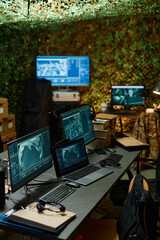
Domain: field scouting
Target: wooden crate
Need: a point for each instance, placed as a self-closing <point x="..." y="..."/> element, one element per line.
<point x="3" y="107"/>
<point x="9" y="123"/>
<point x="8" y="138"/>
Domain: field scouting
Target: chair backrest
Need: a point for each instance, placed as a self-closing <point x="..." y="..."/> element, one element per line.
<point x="139" y="215"/>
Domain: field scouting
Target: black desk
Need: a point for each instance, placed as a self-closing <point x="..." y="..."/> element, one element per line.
<point x="83" y="200"/>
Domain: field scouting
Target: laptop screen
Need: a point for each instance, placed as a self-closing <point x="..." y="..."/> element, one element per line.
<point x="69" y="157"/>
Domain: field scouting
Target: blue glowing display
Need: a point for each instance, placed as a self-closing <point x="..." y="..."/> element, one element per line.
<point x="63" y="70"/>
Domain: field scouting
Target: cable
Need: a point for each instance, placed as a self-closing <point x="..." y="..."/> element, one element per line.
<point x="41" y="206"/>
<point x="42" y="182"/>
<point x="9" y="198"/>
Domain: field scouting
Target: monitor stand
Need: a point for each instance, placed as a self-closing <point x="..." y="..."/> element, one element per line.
<point x="65" y="89"/>
<point x="125" y="111"/>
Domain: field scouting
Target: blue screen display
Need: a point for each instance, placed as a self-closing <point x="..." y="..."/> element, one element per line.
<point x="63" y="70"/>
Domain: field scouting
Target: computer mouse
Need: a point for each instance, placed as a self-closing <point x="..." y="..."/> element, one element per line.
<point x="112" y="150"/>
<point x="112" y="163"/>
<point x="73" y="184"/>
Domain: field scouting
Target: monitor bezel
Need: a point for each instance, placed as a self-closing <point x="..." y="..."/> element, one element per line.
<point x="128" y="86"/>
<point x="15" y="187"/>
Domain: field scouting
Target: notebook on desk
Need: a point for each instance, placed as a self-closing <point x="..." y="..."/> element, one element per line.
<point x="51" y="219"/>
<point x="128" y="141"/>
<point x="71" y="163"/>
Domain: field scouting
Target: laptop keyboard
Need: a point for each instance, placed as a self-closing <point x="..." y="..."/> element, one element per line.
<point x="57" y="194"/>
<point x="82" y="172"/>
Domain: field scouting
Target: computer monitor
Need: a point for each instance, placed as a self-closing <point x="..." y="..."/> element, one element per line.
<point x="77" y="123"/>
<point x="63" y="70"/>
<point x="128" y="95"/>
<point x="29" y="156"/>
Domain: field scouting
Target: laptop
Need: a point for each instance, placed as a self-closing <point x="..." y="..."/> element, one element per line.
<point x="71" y="163"/>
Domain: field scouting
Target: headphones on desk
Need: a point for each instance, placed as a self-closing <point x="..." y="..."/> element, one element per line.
<point x="92" y="113"/>
<point x="41" y="207"/>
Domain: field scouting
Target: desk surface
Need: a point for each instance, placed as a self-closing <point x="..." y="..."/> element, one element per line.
<point x="84" y="199"/>
<point x="106" y="116"/>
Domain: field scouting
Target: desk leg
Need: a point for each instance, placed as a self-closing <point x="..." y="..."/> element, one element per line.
<point x="120" y="119"/>
<point x="138" y="164"/>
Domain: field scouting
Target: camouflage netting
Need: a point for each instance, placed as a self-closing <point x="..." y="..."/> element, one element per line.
<point x="147" y="130"/>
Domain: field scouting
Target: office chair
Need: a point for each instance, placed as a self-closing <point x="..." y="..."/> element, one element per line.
<point x="103" y="229"/>
<point x="146" y="130"/>
<point x="139" y="216"/>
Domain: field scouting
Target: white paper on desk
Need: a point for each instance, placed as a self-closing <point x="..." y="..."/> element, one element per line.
<point x="50" y="219"/>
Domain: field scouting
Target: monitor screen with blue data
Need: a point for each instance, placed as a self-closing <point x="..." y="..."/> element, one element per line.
<point x="128" y="95"/>
<point x="29" y="156"/>
<point x="63" y="70"/>
<point x="77" y="123"/>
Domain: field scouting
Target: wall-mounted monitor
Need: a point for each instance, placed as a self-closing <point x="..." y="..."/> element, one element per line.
<point x="29" y="156"/>
<point x="77" y="124"/>
<point x="128" y="95"/>
<point x="64" y="70"/>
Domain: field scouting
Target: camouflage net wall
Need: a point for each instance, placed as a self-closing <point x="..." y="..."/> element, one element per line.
<point x="124" y="49"/>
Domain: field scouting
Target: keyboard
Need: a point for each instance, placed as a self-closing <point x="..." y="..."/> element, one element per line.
<point x="82" y="172"/>
<point x="57" y="194"/>
<point x="112" y="160"/>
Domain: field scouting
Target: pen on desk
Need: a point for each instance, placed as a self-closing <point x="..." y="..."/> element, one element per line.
<point x="7" y="214"/>
<point x="14" y="209"/>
